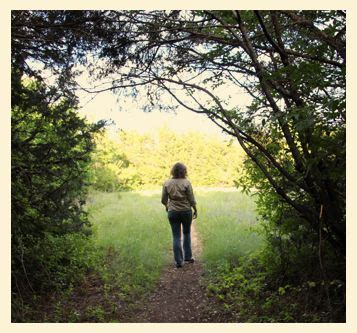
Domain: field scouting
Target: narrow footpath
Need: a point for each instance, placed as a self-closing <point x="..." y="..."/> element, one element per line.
<point x="180" y="295"/>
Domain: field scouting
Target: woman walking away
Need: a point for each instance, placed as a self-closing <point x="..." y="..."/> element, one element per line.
<point x="178" y="198"/>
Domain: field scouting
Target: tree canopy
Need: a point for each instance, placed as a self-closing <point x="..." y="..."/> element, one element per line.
<point x="291" y="63"/>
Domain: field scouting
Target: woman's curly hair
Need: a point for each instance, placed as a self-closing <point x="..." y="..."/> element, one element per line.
<point x="179" y="170"/>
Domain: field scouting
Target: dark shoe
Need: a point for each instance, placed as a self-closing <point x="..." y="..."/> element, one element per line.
<point x="190" y="261"/>
<point x="178" y="265"/>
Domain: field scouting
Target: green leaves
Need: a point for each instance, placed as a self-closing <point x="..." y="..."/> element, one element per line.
<point x="290" y="63"/>
<point x="51" y="148"/>
<point x="118" y="163"/>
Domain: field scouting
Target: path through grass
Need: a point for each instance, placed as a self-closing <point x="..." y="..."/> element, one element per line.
<point x="132" y="240"/>
<point x="132" y="228"/>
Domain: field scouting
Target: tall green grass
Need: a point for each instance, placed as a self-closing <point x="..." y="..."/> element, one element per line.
<point x="132" y="228"/>
<point x="227" y="226"/>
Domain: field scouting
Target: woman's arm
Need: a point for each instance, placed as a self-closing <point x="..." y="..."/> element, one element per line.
<point x="194" y="216"/>
<point x="191" y="199"/>
<point x="164" y="196"/>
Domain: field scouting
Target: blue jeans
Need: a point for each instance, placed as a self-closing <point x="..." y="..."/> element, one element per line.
<point x="176" y="218"/>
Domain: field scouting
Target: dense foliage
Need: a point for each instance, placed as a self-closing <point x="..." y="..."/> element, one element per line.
<point x="51" y="148"/>
<point x="133" y="161"/>
<point x="292" y="64"/>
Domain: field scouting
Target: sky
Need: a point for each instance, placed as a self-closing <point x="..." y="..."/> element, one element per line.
<point x="128" y="115"/>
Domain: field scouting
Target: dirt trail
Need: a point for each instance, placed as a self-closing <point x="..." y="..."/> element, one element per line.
<point x="180" y="295"/>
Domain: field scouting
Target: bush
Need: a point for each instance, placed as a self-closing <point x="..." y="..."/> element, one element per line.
<point x="252" y="293"/>
<point x="51" y="148"/>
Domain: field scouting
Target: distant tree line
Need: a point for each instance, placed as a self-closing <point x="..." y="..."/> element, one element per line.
<point x="136" y="161"/>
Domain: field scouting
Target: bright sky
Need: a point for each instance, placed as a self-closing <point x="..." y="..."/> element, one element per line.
<point x="128" y="115"/>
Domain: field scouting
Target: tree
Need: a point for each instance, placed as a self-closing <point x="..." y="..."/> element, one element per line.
<point x="210" y="161"/>
<point x="51" y="148"/>
<point x="108" y="163"/>
<point x="291" y="63"/>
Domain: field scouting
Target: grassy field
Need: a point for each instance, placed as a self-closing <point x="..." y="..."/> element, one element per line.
<point x="226" y="224"/>
<point x="132" y="228"/>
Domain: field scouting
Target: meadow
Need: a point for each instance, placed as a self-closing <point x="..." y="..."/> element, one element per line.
<point x="227" y="225"/>
<point x="132" y="228"/>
